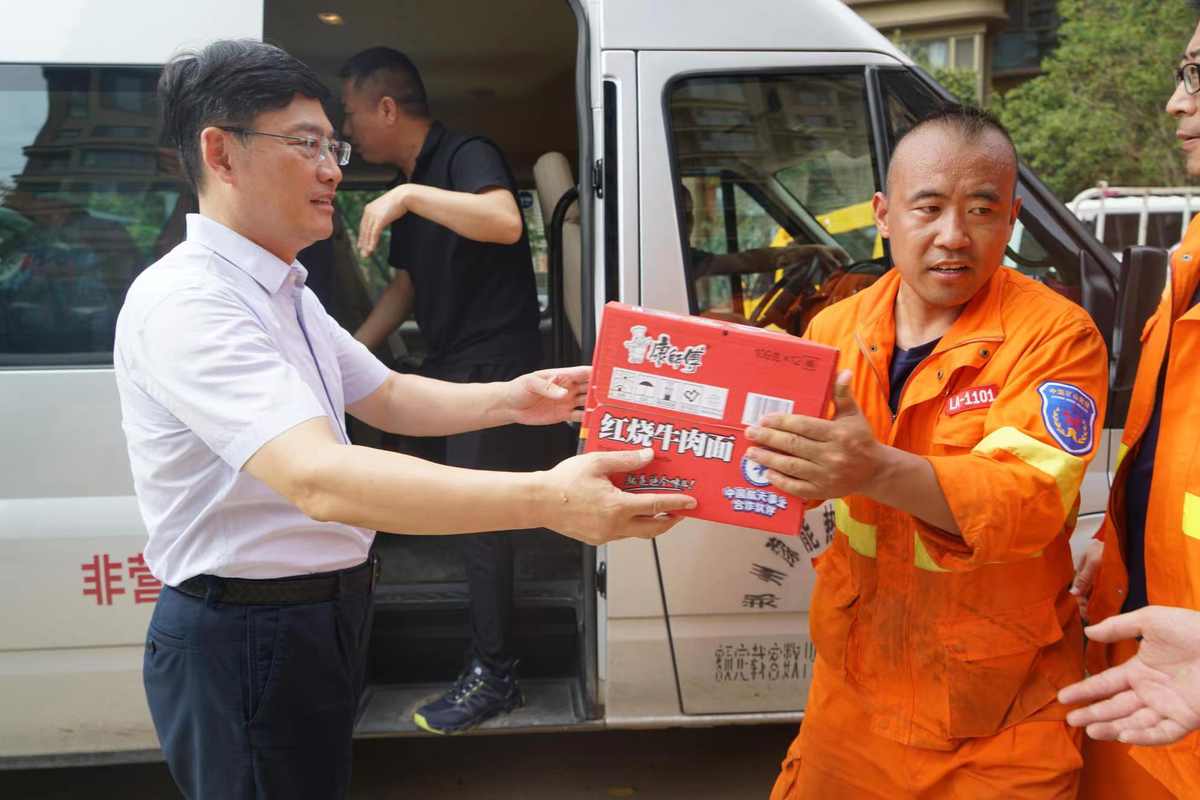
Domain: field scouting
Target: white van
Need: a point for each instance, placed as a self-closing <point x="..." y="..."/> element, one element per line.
<point x="773" y="113"/>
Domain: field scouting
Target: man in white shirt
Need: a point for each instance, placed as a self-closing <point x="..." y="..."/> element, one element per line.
<point x="234" y="383"/>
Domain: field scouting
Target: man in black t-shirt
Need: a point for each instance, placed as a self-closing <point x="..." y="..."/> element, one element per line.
<point x="463" y="267"/>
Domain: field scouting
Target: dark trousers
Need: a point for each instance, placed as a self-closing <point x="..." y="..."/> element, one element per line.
<point x="257" y="701"/>
<point x="487" y="557"/>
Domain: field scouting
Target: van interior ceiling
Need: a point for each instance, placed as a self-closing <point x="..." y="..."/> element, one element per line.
<point x="506" y="71"/>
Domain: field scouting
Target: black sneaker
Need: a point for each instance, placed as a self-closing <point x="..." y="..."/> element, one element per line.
<point x="477" y="696"/>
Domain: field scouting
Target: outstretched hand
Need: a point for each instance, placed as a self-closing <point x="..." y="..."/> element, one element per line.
<point x="1154" y="697"/>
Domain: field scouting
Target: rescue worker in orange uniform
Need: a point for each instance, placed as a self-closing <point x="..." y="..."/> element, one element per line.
<point x="964" y="419"/>
<point x="1145" y="566"/>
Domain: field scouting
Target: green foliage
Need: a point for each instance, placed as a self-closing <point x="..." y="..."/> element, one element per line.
<point x="1098" y="111"/>
<point x="962" y="83"/>
<point x="141" y="213"/>
<point x="375" y="268"/>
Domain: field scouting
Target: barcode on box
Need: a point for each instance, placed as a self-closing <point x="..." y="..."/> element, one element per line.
<point x="759" y="404"/>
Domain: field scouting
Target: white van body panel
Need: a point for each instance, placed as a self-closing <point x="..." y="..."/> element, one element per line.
<point x="62" y="435"/>
<point x="70" y="663"/>
<point x="719" y="25"/>
<point x="79" y="705"/>
<point x="125" y="32"/>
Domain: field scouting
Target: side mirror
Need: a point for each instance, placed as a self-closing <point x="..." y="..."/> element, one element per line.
<point x="1139" y="289"/>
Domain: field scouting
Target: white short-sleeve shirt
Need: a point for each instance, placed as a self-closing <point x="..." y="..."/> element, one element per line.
<point x="219" y="349"/>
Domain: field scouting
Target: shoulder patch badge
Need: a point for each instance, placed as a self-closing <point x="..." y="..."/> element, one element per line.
<point x="1069" y="414"/>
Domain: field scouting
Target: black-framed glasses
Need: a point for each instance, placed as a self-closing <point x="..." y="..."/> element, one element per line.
<point x="313" y="147"/>
<point x="1189" y="75"/>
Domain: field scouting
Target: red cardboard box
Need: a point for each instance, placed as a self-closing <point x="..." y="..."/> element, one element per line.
<point x="688" y="387"/>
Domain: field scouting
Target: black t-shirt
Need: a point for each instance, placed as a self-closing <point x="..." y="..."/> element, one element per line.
<point x="902" y="366"/>
<point x="317" y="258"/>
<point x="475" y="302"/>
<point x="1137" y="499"/>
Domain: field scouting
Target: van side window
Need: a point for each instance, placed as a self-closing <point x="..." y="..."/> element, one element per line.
<point x="89" y="196"/>
<point x="776" y="178"/>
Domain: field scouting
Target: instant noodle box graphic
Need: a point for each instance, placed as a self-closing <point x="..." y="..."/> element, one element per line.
<point x="688" y="387"/>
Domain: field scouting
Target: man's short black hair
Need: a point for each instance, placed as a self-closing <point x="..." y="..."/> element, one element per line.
<point x="389" y="73"/>
<point x="1194" y="5"/>
<point x="228" y="83"/>
<point x="968" y="121"/>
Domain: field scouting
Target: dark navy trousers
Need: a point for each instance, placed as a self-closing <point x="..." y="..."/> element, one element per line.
<point x="257" y="701"/>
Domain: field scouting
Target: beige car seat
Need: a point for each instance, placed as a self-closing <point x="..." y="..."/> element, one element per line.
<point x="552" y="177"/>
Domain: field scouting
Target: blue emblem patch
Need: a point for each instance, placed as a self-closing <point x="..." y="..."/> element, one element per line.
<point x="754" y="472"/>
<point x="1069" y="414"/>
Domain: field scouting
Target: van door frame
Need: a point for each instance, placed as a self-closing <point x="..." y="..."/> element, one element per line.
<point x="589" y="120"/>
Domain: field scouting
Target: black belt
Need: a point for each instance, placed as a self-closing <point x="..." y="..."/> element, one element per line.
<point x="293" y="590"/>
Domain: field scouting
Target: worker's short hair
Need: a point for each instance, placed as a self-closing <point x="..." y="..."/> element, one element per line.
<point x="968" y="121"/>
<point x="228" y="83"/>
<point x="384" y="72"/>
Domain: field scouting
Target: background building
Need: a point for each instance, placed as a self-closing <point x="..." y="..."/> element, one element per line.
<point x="1004" y="41"/>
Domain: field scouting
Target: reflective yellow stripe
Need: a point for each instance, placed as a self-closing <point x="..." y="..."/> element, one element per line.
<point x="921" y="557"/>
<point x="1121" y="451"/>
<point x="860" y="534"/>
<point x="1066" y="469"/>
<point x="1191" y="515"/>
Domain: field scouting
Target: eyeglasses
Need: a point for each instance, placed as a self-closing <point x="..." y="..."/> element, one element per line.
<point x="1189" y="74"/>
<point x="313" y="147"/>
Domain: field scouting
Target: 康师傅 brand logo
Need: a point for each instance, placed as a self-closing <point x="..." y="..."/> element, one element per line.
<point x="661" y="352"/>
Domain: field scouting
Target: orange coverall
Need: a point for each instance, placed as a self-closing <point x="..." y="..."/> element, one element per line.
<point x="939" y="656"/>
<point x="1172" y="532"/>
